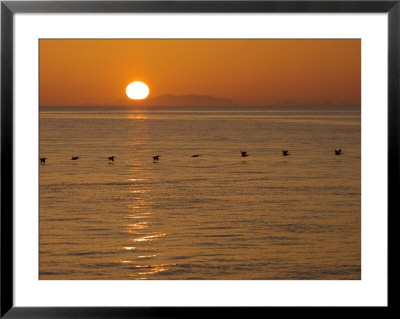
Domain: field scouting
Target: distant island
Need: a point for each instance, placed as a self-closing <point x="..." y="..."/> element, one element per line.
<point x="183" y="100"/>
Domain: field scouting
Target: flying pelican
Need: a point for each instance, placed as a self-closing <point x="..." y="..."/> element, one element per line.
<point x="244" y="154"/>
<point x="195" y="155"/>
<point x="156" y="158"/>
<point x="43" y="160"/>
<point x="285" y="152"/>
<point x="338" y="152"/>
<point x="74" y="158"/>
<point x="111" y="158"/>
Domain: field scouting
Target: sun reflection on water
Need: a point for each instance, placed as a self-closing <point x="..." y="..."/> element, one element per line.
<point x="148" y="237"/>
<point x="137" y="116"/>
<point x="132" y="228"/>
<point x="147" y="256"/>
<point x="151" y="269"/>
<point x="129" y="248"/>
<point x="141" y="231"/>
<point x="136" y="179"/>
<point x="137" y="192"/>
<point x="142" y="215"/>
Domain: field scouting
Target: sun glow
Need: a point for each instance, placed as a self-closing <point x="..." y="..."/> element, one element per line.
<point x="137" y="90"/>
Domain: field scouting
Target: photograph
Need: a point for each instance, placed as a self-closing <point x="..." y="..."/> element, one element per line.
<point x="199" y="159"/>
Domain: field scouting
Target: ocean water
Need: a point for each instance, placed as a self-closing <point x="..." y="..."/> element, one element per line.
<point x="214" y="217"/>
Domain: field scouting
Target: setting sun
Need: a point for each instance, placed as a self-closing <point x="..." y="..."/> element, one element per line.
<point x="137" y="90"/>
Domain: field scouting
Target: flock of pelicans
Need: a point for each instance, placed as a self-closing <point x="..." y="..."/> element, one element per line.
<point x="156" y="158"/>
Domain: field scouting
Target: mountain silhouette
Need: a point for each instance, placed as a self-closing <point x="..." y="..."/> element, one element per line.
<point x="184" y="100"/>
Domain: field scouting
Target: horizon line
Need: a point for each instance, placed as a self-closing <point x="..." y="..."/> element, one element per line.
<point x="223" y="106"/>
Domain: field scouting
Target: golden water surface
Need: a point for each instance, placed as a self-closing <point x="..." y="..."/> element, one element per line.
<point x="216" y="216"/>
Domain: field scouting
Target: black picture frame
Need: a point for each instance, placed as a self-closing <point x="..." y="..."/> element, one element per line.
<point x="9" y="8"/>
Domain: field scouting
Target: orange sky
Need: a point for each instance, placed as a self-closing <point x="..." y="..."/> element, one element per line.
<point x="249" y="72"/>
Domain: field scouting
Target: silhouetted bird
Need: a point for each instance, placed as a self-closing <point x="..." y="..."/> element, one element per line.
<point x="195" y="155"/>
<point x="43" y="160"/>
<point x="156" y="158"/>
<point x="111" y="158"/>
<point x="74" y="158"/>
<point x="338" y="152"/>
<point x="285" y="152"/>
<point x="244" y="154"/>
